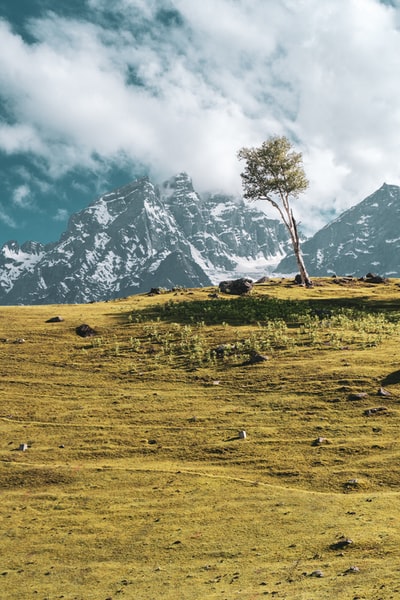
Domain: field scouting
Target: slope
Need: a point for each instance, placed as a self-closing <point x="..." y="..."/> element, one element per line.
<point x="135" y="482"/>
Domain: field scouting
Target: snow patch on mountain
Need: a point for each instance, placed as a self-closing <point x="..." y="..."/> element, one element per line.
<point x="100" y="212"/>
<point x="15" y="260"/>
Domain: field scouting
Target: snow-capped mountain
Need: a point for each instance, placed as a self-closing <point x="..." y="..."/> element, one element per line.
<point x="365" y="238"/>
<point x="141" y="236"/>
<point x="15" y="259"/>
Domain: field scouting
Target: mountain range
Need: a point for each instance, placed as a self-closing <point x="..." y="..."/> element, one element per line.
<point x="143" y="235"/>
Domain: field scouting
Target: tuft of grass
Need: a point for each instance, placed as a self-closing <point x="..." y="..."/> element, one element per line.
<point x="134" y="481"/>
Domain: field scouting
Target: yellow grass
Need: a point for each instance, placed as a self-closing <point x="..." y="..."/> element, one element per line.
<point x="135" y="483"/>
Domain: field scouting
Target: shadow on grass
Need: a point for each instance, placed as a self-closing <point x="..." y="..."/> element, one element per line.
<point x="392" y="378"/>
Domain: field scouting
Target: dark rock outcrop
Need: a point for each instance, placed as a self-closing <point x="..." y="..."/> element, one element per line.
<point x="236" y="287"/>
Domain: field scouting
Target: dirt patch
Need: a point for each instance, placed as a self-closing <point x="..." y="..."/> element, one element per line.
<point x="33" y="478"/>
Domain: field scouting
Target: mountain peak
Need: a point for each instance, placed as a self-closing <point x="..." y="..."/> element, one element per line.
<point x="363" y="239"/>
<point x="179" y="180"/>
<point x="139" y="236"/>
<point x="177" y="186"/>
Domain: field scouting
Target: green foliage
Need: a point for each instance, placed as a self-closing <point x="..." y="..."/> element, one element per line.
<point x="185" y="332"/>
<point x="273" y="168"/>
<point x="248" y="310"/>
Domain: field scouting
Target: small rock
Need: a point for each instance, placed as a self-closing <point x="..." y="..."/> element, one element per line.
<point x="255" y="357"/>
<point x="341" y="544"/>
<point x="317" y="573"/>
<point x="358" y="396"/>
<point x="383" y="392"/>
<point x="57" y="319"/>
<point x="373" y="411"/>
<point x="319" y="441"/>
<point x="353" y="569"/>
<point x="351" y="484"/>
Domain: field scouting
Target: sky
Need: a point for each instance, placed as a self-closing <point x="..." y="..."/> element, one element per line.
<point x="94" y="94"/>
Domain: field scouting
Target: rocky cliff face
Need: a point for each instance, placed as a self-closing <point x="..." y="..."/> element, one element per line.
<point x="141" y="236"/>
<point x="16" y="260"/>
<point x="365" y="238"/>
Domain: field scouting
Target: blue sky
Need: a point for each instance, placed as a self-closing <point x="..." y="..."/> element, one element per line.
<point x="93" y="96"/>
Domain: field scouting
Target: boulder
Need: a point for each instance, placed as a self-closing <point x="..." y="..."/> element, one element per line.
<point x="373" y="278"/>
<point x="236" y="287"/>
<point x="57" y="319"/>
<point x="298" y="281"/>
<point x="85" y="331"/>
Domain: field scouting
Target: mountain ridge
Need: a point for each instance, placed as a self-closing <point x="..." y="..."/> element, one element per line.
<point x="144" y="235"/>
<point x="138" y="236"/>
<point x="362" y="239"/>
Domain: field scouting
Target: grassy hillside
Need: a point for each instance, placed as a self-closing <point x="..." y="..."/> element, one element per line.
<point x="134" y="481"/>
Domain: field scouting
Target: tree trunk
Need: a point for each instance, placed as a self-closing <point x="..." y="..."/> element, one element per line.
<point x="305" y="279"/>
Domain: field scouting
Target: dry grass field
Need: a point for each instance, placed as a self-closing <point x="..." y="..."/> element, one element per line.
<point x="123" y="474"/>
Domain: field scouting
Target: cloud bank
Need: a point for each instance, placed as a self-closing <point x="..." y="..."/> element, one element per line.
<point x="182" y="85"/>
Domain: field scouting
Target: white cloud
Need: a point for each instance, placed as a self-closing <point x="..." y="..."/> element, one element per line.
<point x="6" y="218"/>
<point x="230" y="73"/>
<point x="19" y="138"/>
<point x="61" y="215"/>
<point x="22" y="197"/>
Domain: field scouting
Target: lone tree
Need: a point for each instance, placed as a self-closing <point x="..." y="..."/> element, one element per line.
<point x="274" y="172"/>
